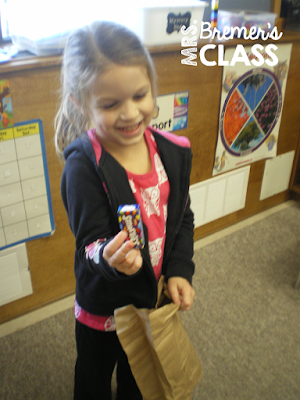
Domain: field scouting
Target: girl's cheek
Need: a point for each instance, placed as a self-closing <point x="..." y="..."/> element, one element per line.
<point x="104" y="119"/>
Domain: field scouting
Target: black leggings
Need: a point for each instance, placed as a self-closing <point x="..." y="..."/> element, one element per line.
<point x="97" y="354"/>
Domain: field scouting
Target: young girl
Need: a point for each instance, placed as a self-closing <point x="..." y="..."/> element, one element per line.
<point x="108" y="82"/>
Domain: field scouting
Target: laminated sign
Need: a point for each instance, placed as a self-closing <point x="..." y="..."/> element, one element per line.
<point x="250" y="110"/>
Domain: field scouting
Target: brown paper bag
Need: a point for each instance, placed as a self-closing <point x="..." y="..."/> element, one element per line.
<point x="162" y="358"/>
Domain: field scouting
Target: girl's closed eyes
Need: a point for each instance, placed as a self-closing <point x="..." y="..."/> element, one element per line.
<point x="108" y="105"/>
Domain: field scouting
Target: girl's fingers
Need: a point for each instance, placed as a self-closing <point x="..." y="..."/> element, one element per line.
<point x="122" y="255"/>
<point x="132" y="263"/>
<point x="114" y="245"/>
<point x="116" y="250"/>
<point x="182" y="293"/>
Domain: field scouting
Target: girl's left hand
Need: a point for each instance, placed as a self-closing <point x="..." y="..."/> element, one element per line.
<point x="181" y="291"/>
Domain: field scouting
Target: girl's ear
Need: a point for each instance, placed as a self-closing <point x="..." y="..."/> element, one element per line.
<point x="84" y="114"/>
<point x="76" y="103"/>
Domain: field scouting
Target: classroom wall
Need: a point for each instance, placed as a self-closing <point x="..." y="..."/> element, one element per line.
<point x="34" y="87"/>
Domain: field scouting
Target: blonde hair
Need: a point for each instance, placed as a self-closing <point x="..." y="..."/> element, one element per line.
<point x="89" y="51"/>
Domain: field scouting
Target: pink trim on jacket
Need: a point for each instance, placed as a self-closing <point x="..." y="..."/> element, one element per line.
<point x="179" y="140"/>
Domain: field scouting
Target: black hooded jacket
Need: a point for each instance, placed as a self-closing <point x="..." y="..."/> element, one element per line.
<point x="92" y="193"/>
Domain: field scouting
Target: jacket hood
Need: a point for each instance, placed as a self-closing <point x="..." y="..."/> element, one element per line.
<point x="79" y="145"/>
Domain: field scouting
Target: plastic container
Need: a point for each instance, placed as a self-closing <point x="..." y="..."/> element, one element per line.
<point x="239" y="18"/>
<point x="47" y="46"/>
<point x="155" y="24"/>
<point x="160" y="23"/>
<point x="43" y="27"/>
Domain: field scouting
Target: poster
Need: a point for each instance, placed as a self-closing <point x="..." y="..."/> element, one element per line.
<point x="250" y="110"/>
<point x="25" y="201"/>
<point x="171" y="112"/>
<point x="6" y="112"/>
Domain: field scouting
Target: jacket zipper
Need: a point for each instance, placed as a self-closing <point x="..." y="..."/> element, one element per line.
<point x="116" y="219"/>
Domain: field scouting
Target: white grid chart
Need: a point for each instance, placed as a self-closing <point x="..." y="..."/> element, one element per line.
<point x="25" y="203"/>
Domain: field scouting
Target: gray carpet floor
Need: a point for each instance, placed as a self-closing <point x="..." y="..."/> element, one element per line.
<point x="244" y="324"/>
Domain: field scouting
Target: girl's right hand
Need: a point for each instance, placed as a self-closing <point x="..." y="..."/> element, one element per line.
<point x="123" y="256"/>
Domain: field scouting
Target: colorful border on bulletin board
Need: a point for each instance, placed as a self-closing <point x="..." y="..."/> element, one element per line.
<point x="25" y="203"/>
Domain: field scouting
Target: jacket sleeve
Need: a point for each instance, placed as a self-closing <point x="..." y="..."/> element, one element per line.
<point x="89" y="214"/>
<point x="180" y="259"/>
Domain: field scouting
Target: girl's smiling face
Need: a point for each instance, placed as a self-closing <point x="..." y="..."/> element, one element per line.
<point x="121" y="105"/>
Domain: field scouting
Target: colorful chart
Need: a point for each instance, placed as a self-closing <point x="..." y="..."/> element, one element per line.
<point x="250" y="112"/>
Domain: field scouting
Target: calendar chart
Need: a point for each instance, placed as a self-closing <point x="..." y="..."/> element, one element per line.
<point x="25" y="200"/>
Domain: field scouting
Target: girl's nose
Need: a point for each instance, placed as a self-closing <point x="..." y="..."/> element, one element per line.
<point x="129" y="110"/>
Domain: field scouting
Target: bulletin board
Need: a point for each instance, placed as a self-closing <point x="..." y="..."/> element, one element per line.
<point x="25" y="201"/>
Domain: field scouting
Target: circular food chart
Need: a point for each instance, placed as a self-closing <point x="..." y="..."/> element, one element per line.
<point x="250" y="112"/>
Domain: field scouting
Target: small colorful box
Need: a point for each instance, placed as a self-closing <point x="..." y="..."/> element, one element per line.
<point x="247" y="19"/>
<point x="130" y="220"/>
